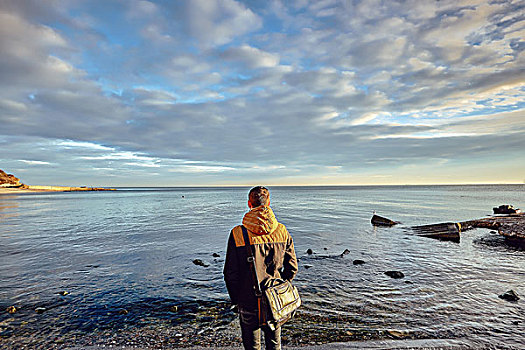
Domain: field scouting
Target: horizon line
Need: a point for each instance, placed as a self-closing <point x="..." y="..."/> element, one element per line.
<point x="324" y="185"/>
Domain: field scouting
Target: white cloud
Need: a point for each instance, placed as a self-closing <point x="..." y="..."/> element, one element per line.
<point x="258" y="88"/>
<point x="214" y="22"/>
<point x="9" y="106"/>
<point x="34" y="162"/>
<point x="200" y="169"/>
<point x="141" y="9"/>
<point x="83" y="144"/>
<point x="153" y="97"/>
<point x="365" y="118"/>
<point x="25" y="61"/>
<point x="251" y="57"/>
<point x="324" y="81"/>
<point x="144" y="165"/>
<point x="156" y="34"/>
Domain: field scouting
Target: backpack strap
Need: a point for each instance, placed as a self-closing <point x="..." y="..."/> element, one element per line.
<point x="256" y="286"/>
<point x="251" y="261"/>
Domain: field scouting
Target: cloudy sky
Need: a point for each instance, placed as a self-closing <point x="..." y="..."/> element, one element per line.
<point x="209" y="92"/>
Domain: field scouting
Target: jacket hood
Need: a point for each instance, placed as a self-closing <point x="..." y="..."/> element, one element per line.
<point x="260" y="220"/>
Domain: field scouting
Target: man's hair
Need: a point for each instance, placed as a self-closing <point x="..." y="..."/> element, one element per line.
<point x="258" y="196"/>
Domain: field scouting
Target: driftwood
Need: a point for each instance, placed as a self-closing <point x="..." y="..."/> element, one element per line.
<point x="511" y="226"/>
<point x="447" y="231"/>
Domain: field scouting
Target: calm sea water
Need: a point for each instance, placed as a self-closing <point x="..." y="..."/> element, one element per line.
<point x="134" y="248"/>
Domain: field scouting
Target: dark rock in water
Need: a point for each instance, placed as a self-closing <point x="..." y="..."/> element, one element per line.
<point x="307" y="266"/>
<point x="199" y="262"/>
<point x="174" y="308"/>
<point x="345" y="252"/>
<point x="358" y="262"/>
<point x="506" y="209"/>
<point x="409" y="282"/>
<point x="309" y="251"/>
<point x="509" y="296"/>
<point x="382" y="221"/>
<point x="325" y="248"/>
<point x="395" y="274"/>
<point x="123" y="312"/>
<point x="40" y="310"/>
<point x="216" y="255"/>
<point x="11" y="309"/>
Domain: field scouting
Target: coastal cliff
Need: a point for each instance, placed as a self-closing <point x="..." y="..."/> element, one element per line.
<point x="9" y="180"/>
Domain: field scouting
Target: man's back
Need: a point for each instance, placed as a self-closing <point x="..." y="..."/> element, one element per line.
<point x="273" y="250"/>
<point x="274" y="254"/>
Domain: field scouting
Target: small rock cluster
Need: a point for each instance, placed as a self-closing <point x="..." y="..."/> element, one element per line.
<point x="392" y="274"/>
<point x="200" y="262"/>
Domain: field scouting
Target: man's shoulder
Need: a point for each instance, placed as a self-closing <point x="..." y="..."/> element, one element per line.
<point x="237" y="235"/>
<point x="237" y="230"/>
<point x="282" y="227"/>
<point x="283" y="232"/>
<point x="280" y="234"/>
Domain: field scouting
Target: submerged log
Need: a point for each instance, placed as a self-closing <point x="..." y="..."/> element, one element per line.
<point x="382" y="221"/>
<point x="447" y="231"/>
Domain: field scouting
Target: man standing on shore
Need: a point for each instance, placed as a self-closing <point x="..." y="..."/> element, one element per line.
<point x="274" y="258"/>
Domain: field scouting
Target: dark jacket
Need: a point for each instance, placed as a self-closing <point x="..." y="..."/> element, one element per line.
<point x="273" y="250"/>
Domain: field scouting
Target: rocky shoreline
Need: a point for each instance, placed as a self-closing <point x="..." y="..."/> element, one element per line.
<point x="204" y="325"/>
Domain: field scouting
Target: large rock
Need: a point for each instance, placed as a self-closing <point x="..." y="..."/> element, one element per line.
<point x="509" y="296"/>
<point x="8" y="180"/>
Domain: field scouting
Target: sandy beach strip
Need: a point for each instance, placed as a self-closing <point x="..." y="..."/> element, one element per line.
<point x="39" y="189"/>
<point x="11" y="190"/>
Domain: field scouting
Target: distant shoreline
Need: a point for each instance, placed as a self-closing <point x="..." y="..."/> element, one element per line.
<point x="39" y="189"/>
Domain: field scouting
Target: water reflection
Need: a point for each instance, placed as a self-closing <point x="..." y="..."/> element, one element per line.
<point x="8" y="206"/>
